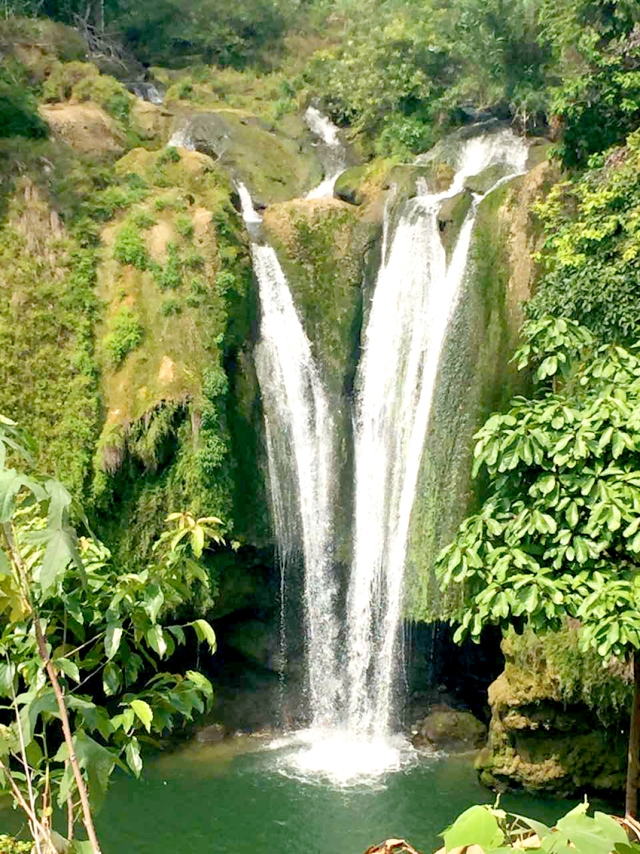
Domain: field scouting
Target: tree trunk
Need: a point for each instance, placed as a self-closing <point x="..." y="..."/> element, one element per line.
<point x="633" y="759"/>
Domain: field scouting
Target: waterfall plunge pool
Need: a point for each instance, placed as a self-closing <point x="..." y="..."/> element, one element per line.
<point x="241" y="796"/>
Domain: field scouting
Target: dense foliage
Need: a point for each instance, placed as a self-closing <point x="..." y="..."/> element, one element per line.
<point x="81" y="645"/>
<point x="590" y="264"/>
<point x="398" y="73"/>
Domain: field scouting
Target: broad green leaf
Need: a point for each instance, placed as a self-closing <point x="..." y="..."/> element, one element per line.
<point x="69" y="668"/>
<point x="134" y="759"/>
<point x="5" y="565"/>
<point x="155" y="639"/>
<point x="588" y="835"/>
<point x="475" y="826"/>
<point x="143" y="712"/>
<point x="153" y="601"/>
<point x="112" y="639"/>
<point x="205" y="633"/>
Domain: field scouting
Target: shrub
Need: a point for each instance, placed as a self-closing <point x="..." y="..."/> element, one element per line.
<point x="125" y="334"/>
<point x="169" y="155"/>
<point x="108" y="92"/>
<point x="170" y="276"/>
<point x="170" y="306"/>
<point x="63" y="77"/>
<point x="18" y="109"/>
<point x="142" y="219"/>
<point x="129" y="247"/>
<point x="184" y="226"/>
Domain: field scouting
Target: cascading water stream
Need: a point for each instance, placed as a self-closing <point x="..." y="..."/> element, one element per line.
<point x="351" y="688"/>
<point x="415" y="294"/>
<point x="300" y="437"/>
<point x="334" y="159"/>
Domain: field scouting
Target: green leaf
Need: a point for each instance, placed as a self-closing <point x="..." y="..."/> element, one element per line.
<point x="155" y="639"/>
<point x="68" y="668"/>
<point x="588" y="835"/>
<point x="143" y="712"/>
<point x="112" y="639"/>
<point x="205" y="633"/>
<point x="134" y="759"/>
<point x="476" y="826"/>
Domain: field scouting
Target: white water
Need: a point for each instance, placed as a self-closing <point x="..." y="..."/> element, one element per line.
<point x="334" y="159"/>
<point x="351" y="690"/>
<point x="300" y="443"/>
<point x="415" y="295"/>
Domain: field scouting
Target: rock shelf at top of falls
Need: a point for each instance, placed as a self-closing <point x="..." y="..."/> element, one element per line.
<point x="353" y="659"/>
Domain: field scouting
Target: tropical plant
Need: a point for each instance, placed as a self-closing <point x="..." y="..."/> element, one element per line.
<point x="495" y="831"/>
<point x="81" y="643"/>
<point x="559" y="535"/>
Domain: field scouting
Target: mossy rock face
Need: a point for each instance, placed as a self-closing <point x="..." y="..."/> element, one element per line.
<point x="475" y="378"/>
<point x="450" y="730"/>
<point x="539" y="151"/>
<point x="485" y="180"/>
<point x="542" y="744"/>
<point x="451" y="215"/>
<point x="322" y="246"/>
<point x="347" y="186"/>
<point x="274" y="166"/>
<point x="435" y="175"/>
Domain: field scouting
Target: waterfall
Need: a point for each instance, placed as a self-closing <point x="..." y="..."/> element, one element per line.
<point x="352" y="674"/>
<point x="301" y="460"/>
<point x="332" y="152"/>
<point x="415" y="294"/>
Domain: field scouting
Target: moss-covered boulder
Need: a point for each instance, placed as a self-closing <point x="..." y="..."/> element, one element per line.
<point x="348" y="186"/>
<point x="541" y="741"/>
<point x="274" y="166"/>
<point x="451" y="215"/>
<point x="450" y="730"/>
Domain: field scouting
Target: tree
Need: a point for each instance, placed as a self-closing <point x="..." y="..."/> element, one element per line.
<point x="559" y="535"/>
<point x="72" y="622"/>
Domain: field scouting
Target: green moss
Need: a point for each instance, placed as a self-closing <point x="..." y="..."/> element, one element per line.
<point x="321" y="247"/>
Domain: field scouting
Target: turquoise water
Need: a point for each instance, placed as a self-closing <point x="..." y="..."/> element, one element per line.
<point x="233" y="799"/>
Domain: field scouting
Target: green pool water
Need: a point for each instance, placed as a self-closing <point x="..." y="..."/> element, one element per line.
<point x="234" y="798"/>
<point x="240" y="797"/>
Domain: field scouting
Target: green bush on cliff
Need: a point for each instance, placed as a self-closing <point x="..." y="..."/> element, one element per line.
<point x="590" y="260"/>
<point x="63" y="77"/>
<point x="125" y="334"/>
<point x="559" y="535"/>
<point x="18" y="107"/>
<point x="130" y="248"/>
<point x="106" y="91"/>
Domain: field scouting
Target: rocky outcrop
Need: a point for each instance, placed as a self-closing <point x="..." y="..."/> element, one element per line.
<point x="539" y="742"/>
<point x="449" y="730"/>
<point x="274" y="166"/>
<point x="86" y="127"/>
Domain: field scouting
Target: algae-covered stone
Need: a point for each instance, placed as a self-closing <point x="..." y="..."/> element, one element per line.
<point x="274" y="166"/>
<point x="542" y="743"/>
<point x="486" y="179"/>
<point x="435" y="175"/>
<point x="451" y="215"/>
<point x="450" y="730"/>
<point x="348" y="185"/>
